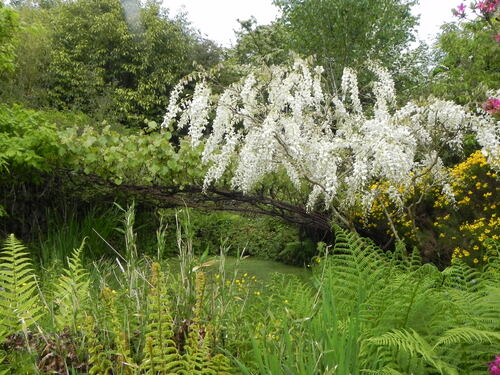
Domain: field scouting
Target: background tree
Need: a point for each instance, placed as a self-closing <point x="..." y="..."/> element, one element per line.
<point x="261" y="42"/>
<point x="113" y="60"/>
<point x="344" y="33"/>
<point x="28" y="81"/>
<point x="8" y="26"/>
<point x="468" y="63"/>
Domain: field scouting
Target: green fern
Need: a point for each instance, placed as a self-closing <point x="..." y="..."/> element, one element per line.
<point x="19" y="300"/>
<point x="162" y="355"/>
<point x="196" y="354"/>
<point x="468" y="335"/>
<point x="99" y="362"/>
<point x="72" y="292"/>
<point x="386" y="313"/>
<point x="412" y="343"/>
<point x="122" y="353"/>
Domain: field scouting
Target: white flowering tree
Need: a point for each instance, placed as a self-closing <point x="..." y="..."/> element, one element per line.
<point x="281" y="119"/>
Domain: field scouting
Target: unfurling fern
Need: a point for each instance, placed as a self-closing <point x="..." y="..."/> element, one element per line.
<point x="218" y="363"/>
<point x="199" y="343"/>
<point x="19" y="300"/>
<point x="123" y="358"/>
<point x="72" y="292"/>
<point x="99" y="362"/>
<point x="162" y="355"/>
<point x="196" y="354"/>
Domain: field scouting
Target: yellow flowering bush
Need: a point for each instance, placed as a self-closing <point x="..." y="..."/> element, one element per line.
<point x="440" y="226"/>
<point x="375" y="223"/>
<point x="466" y="225"/>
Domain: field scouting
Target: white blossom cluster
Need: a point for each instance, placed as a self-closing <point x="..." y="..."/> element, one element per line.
<point x="281" y="117"/>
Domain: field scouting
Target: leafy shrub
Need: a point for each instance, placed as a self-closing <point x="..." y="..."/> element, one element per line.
<point x="28" y="143"/>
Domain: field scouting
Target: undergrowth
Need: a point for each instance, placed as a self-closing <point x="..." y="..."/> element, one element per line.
<point x="364" y="311"/>
<point x="372" y="312"/>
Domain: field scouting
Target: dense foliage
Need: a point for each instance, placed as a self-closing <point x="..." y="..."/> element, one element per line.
<point x="120" y="68"/>
<point x="8" y="25"/>
<point x="321" y="140"/>
<point x="337" y="33"/>
<point x="468" y="61"/>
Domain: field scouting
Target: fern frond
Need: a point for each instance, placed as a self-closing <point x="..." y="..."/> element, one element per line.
<point x="467" y="335"/>
<point x="491" y="271"/>
<point x="99" y="362"/>
<point x="162" y="355"/>
<point x="412" y="343"/>
<point x="462" y="277"/>
<point x="124" y="362"/>
<point x="19" y="300"/>
<point x="383" y="371"/>
<point x="72" y="292"/>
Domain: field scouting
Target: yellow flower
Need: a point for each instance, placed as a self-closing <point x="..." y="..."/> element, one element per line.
<point x="476" y="260"/>
<point x="466" y="253"/>
<point x="257" y="293"/>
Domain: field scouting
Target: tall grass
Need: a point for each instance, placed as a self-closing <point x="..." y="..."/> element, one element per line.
<point x="65" y="233"/>
<point x="102" y="311"/>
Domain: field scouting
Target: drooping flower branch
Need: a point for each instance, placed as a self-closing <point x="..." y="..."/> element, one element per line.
<point x="282" y="118"/>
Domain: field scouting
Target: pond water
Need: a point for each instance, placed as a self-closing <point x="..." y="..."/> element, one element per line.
<point x="262" y="269"/>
